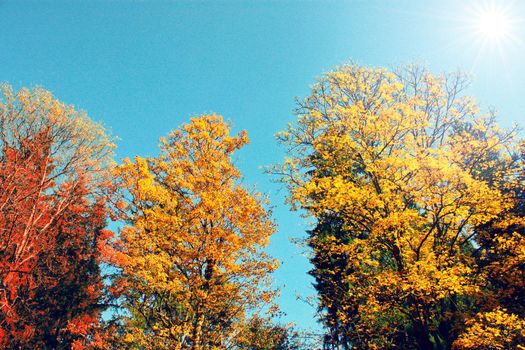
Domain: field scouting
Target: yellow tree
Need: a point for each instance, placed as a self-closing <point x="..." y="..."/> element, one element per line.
<point x="192" y="261"/>
<point x="395" y="167"/>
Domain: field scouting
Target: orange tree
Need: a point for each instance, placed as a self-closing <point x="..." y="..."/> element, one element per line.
<point x="191" y="258"/>
<point x="419" y="218"/>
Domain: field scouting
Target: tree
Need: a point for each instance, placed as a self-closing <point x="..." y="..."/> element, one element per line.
<point x="402" y="174"/>
<point x="191" y="258"/>
<point x="53" y="163"/>
<point x="331" y="266"/>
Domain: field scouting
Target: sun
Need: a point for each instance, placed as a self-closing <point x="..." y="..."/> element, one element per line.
<point x="493" y="24"/>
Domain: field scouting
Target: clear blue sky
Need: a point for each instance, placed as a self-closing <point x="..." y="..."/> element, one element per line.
<point x="143" y="68"/>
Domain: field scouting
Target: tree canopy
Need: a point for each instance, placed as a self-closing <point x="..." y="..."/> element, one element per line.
<point x="191" y="258"/>
<point x="54" y="164"/>
<point x="418" y="199"/>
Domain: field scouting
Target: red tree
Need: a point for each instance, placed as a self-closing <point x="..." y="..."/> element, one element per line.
<point x="52" y="214"/>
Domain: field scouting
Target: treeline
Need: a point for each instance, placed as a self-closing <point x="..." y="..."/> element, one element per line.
<point x="418" y="244"/>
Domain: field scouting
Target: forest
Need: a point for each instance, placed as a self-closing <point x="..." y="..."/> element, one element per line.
<point x="416" y="194"/>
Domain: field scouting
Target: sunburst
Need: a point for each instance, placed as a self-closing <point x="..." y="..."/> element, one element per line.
<point x="493" y="24"/>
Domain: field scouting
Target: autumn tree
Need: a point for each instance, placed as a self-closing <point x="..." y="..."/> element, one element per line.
<point x="419" y="206"/>
<point x="191" y="255"/>
<point x="53" y="163"/>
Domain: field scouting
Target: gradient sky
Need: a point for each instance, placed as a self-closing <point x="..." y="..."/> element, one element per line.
<point x="143" y="68"/>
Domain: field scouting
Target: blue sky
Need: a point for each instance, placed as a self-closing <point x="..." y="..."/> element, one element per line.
<point x="144" y="67"/>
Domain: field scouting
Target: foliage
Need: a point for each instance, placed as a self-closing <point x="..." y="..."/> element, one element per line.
<point x="191" y="259"/>
<point x="409" y="184"/>
<point x="53" y="163"/>
<point x="261" y="333"/>
<point x="418" y="243"/>
<point x="493" y="330"/>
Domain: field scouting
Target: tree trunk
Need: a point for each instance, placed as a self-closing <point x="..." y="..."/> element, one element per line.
<point x="423" y="338"/>
<point x="197" y="333"/>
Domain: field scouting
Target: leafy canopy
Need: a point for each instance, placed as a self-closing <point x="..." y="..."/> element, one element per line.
<point x="191" y="256"/>
<point x="401" y="172"/>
